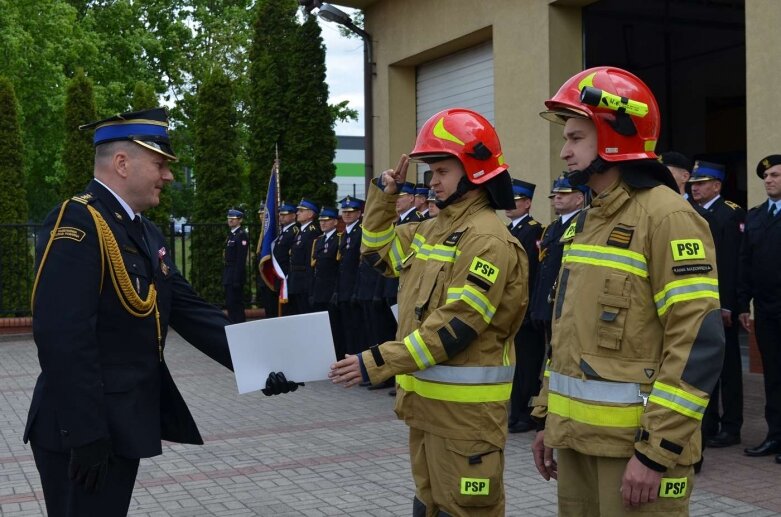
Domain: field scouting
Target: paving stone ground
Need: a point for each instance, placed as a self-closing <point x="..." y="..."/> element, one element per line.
<point x="322" y="451"/>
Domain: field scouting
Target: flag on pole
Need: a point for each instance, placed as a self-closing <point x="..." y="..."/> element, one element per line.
<point x="270" y="271"/>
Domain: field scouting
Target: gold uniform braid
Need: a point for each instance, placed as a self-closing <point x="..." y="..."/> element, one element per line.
<point x="110" y="255"/>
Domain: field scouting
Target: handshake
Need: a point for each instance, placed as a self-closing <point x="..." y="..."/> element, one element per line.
<point x="277" y="383"/>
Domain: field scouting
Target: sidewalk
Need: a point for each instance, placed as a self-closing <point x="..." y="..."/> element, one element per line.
<point x="321" y="451"/>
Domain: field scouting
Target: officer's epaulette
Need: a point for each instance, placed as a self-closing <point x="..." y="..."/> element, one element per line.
<point x="296" y="229"/>
<point x="84" y="199"/>
<point x="732" y="205"/>
<point x="533" y="222"/>
<point x="311" y="228"/>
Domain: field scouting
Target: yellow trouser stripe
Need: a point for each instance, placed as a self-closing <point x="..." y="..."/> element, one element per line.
<point x="684" y="290"/>
<point x="472" y="393"/>
<point x="594" y="414"/>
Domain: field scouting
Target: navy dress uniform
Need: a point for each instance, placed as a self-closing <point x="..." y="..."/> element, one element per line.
<point x="325" y="262"/>
<point x="281" y="250"/>
<point x="760" y="281"/>
<point x="726" y="221"/>
<point x="301" y="270"/>
<point x="421" y="200"/>
<point x="529" y="340"/>
<point x="350" y="311"/>
<point x="551" y="252"/>
<point x="234" y="271"/>
<point x="105" y="293"/>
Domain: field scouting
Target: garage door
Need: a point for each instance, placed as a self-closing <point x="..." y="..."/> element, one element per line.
<point x="464" y="79"/>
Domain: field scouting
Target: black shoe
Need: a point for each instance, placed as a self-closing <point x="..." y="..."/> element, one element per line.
<point x="392" y="393"/>
<point x="382" y="386"/>
<point x="521" y="426"/>
<point x="765" y="448"/>
<point x="723" y="439"/>
<point x="698" y="465"/>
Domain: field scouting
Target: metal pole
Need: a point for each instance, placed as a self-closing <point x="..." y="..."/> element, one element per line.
<point x="368" y="111"/>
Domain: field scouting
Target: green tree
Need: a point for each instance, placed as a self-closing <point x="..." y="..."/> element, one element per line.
<point x="15" y="256"/>
<point x="273" y="37"/>
<point x="216" y="185"/>
<point x="78" y="152"/>
<point x="310" y="144"/>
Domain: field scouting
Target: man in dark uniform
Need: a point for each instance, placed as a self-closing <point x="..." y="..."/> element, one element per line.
<point x="529" y="341"/>
<point x="433" y="209"/>
<point x="350" y="313"/>
<point x="325" y="262"/>
<point x="281" y="251"/>
<point x="386" y="321"/>
<point x="234" y="271"/>
<point x="567" y="202"/>
<point x="726" y="220"/>
<point x="681" y="168"/>
<point x="301" y="253"/>
<point x="106" y="291"/>
<point x="760" y="281"/>
<point x="421" y="201"/>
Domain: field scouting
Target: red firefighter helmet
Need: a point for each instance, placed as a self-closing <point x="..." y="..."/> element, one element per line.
<point x="621" y="106"/>
<point x="466" y="135"/>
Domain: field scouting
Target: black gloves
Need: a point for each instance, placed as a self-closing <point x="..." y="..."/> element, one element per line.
<point x="277" y="384"/>
<point x="89" y="464"/>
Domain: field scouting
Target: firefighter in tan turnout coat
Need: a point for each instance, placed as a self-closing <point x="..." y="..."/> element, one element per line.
<point x="462" y="296"/>
<point x="637" y="337"/>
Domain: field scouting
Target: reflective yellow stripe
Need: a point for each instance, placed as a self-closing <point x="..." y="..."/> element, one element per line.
<point x="684" y="290"/>
<point x="419" y="351"/>
<point x="547" y="369"/>
<point x="678" y="400"/>
<point x="438" y="252"/>
<point x="474" y="299"/>
<point x="473" y="393"/>
<point x="377" y="239"/>
<point x="417" y="242"/>
<point x="606" y="256"/>
<point x="396" y="255"/>
<point x="594" y="414"/>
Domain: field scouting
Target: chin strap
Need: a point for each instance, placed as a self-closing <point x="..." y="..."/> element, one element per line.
<point x="578" y="178"/>
<point x="462" y="188"/>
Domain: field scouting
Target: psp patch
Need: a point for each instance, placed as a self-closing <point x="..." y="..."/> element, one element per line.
<point x="475" y="486"/>
<point x="692" y="269"/>
<point x="620" y="237"/>
<point x="673" y="487"/>
<point x="484" y="269"/>
<point x="68" y="232"/>
<point x="687" y="249"/>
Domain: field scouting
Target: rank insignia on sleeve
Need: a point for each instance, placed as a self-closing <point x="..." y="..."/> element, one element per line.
<point x="484" y="269"/>
<point x="453" y="238"/>
<point x="687" y="249"/>
<point x="68" y="232"/>
<point x="620" y="237"/>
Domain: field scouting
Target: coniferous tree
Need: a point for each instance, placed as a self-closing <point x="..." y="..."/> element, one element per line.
<point x="274" y="29"/>
<point x="78" y="155"/>
<point x="144" y="98"/>
<point x="216" y="181"/>
<point x="310" y="145"/>
<point x="15" y="250"/>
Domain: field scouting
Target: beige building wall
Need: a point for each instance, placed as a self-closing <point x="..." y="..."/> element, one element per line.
<point x="763" y="76"/>
<point x="536" y="46"/>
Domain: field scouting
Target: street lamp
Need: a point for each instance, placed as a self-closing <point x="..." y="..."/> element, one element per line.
<point x="330" y="13"/>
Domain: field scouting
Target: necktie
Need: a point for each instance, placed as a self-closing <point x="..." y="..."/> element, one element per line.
<point x="772" y="209"/>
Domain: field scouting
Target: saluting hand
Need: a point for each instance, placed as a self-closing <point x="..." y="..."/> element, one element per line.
<point x="391" y="177"/>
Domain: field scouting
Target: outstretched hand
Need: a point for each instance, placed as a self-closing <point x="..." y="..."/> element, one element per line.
<point x="347" y="371"/>
<point x="391" y="177"/>
<point x="277" y="383"/>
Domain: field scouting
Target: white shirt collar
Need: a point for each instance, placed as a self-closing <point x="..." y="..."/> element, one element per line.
<point x="709" y="203"/>
<point x="405" y="214"/>
<point x="127" y="208"/>
<point x="567" y="217"/>
<point x="328" y="234"/>
<point x="234" y="230"/>
<point x="517" y="220"/>
<point x="303" y="226"/>
<point x="350" y="227"/>
<point x="288" y="226"/>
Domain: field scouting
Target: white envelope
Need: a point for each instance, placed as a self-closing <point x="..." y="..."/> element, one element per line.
<point x="300" y="346"/>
